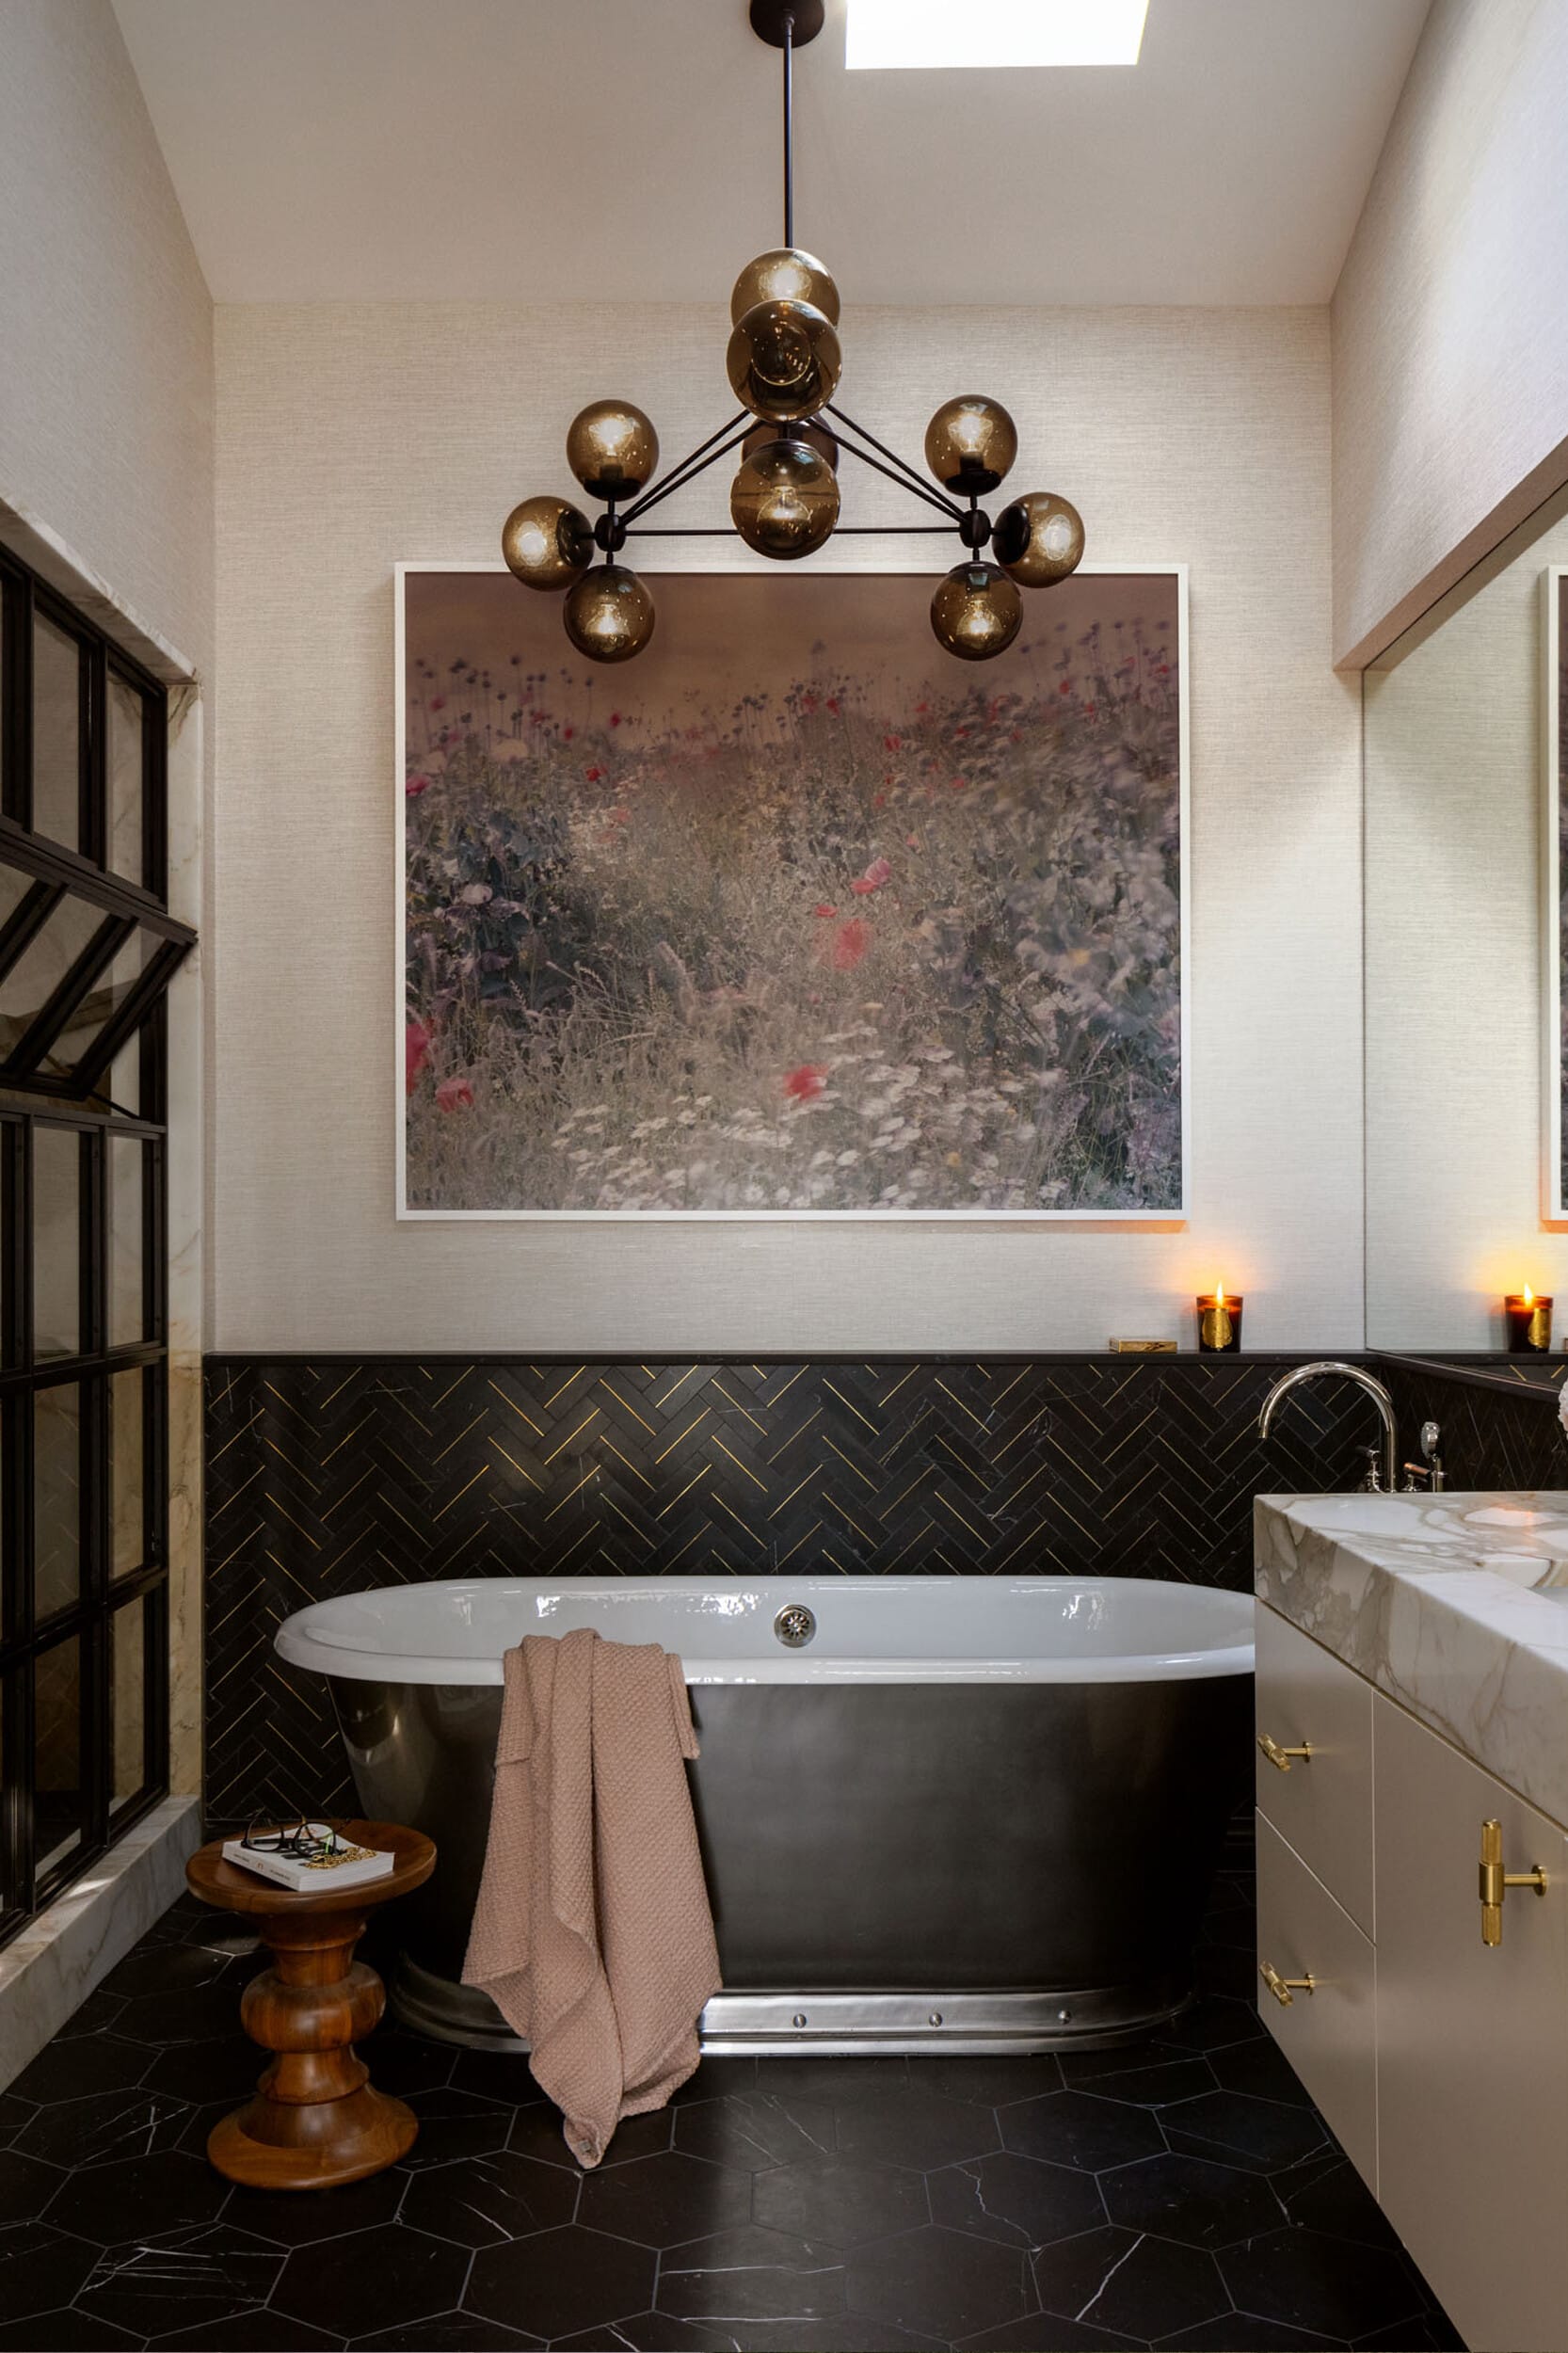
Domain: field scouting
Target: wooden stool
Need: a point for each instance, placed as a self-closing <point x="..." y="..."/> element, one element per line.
<point x="316" y="2119"/>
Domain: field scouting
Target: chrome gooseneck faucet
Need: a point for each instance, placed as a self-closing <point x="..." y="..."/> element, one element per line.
<point x="1331" y="1367"/>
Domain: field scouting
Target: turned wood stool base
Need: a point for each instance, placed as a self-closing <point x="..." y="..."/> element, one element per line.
<point x="316" y="2121"/>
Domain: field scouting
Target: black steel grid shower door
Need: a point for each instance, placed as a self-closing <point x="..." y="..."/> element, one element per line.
<point x="87" y="947"/>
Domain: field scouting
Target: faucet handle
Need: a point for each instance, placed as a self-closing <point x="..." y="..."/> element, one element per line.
<point x="1372" y="1484"/>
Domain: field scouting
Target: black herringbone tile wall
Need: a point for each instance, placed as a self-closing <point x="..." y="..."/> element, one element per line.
<point x="331" y="1476"/>
<point x="1490" y="1437"/>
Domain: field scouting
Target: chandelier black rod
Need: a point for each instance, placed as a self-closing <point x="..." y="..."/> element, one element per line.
<point x="916" y="481"/>
<point x="844" y="531"/>
<point x="789" y="130"/>
<point x="916" y="490"/>
<point x="704" y="456"/>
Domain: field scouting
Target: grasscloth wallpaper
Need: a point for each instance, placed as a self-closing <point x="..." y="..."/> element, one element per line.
<point x="350" y="438"/>
<point x="1450" y="355"/>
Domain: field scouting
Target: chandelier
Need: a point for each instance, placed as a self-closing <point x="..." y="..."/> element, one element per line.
<point x="784" y="361"/>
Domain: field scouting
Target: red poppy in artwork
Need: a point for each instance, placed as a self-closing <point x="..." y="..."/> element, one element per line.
<point x="615" y="718"/>
<point x="824" y="909"/>
<point x="1066" y="687"/>
<point x="1089" y="710"/>
<point x="566" y="734"/>
<point x="416" y="1047"/>
<point x="454" y="1095"/>
<point x="593" y="775"/>
<point x="876" y="873"/>
<point x="415" y="786"/>
<point x="960" y="784"/>
<point x="833" y="705"/>
<point x="802" y="1085"/>
<point x="849" y="944"/>
<point x="891" y="743"/>
<point x="437" y="702"/>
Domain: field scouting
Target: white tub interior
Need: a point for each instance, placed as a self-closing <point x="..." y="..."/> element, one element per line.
<point x="870" y="1629"/>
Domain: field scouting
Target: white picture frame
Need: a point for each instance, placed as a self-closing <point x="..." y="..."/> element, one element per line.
<point x="1166" y="1218"/>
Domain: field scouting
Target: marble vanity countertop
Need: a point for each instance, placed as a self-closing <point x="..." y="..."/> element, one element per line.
<point x="1455" y="1605"/>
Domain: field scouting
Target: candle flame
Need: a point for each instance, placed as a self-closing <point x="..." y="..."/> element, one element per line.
<point x="1529" y="1296"/>
<point x="1219" y="1294"/>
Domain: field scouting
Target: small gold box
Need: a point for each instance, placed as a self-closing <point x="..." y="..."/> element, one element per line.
<point x="1143" y="1348"/>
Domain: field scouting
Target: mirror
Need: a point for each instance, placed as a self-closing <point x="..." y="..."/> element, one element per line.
<point x="1463" y="954"/>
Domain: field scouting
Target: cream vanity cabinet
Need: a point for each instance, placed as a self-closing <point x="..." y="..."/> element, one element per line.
<point x="1440" y="2060"/>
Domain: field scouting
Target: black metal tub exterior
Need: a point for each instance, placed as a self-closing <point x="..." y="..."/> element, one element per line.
<point x="925" y="1836"/>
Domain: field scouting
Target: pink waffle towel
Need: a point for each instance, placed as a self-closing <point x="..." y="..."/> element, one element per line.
<point x="592" y="1932"/>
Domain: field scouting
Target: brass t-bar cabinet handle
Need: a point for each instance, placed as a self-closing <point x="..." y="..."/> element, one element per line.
<point x="1284" y="1989"/>
<point x="1495" y="1882"/>
<point x="1280" y="1758"/>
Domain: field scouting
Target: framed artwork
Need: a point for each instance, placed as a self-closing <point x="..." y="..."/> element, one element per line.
<point x="1554" y="924"/>
<point x="794" y="916"/>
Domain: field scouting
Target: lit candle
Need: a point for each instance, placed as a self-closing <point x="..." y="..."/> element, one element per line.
<point x="1530" y="1322"/>
<point x="1219" y="1319"/>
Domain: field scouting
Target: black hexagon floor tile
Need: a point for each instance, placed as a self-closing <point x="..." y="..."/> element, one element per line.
<point x="558" y="2283"/>
<point x="26" y="2185"/>
<point x="1047" y="2333"/>
<point x="839" y="2201"/>
<point x="479" y="2201"/>
<point x="750" y="2274"/>
<point x="290" y="2219"/>
<point x="447" y="2332"/>
<point x="1308" y="2281"/>
<point x="107" y="2126"/>
<point x="259" y="2331"/>
<point x="197" y="2279"/>
<point x="949" y="2282"/>
<point x="1190" y="2200"/>
<point x="1022" y="2201"/>
<point x="67" y="2331"/>
<point x="1075" y="2128"/>
<point x="73" y="2067"/>
<point x="756" y="2129"/>
<point x="1264" y="2136"/>
<point x="42" y="2267"/>
<point x="142" y="2197"/>
<point x="376" y="2279"/>
<point x="911" y="2125"/>
<point x="1004" y="2204"/>
<point x="664" y="2200"/>
<point x="1127" y="2282"/>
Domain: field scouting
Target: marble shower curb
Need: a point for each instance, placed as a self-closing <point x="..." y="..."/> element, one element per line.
<point x="48" y="1970"/>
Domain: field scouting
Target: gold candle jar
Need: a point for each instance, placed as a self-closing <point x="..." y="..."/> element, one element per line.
<point x="1530" y="1322"/>
<point x="1220" y="1322"/>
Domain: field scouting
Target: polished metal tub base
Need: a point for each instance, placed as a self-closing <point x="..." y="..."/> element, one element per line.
<point x="834" y="2024"/>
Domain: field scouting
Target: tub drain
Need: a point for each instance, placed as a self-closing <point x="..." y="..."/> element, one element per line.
<point x="794" y="1626"/>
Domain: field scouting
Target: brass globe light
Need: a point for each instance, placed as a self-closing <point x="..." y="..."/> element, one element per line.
<point x="547" y="542"/>
<point x="609" y="613"/>
<point x="785" y="500"/>
<point x="612" y="449"/>
<point x="784" y="361"/>
<point x="976" y="612"/>
<point x="1038" y="539"/>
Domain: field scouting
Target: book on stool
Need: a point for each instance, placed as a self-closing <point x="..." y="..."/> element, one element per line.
<point x="312" y="1874"/>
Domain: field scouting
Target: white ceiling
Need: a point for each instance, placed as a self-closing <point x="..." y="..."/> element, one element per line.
<point x="560" y="149"/>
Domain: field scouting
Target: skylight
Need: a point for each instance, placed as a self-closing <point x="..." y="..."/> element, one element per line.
<point x="995" y="34"/>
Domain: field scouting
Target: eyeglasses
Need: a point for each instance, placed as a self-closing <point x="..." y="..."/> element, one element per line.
<point x="299" y="1838"/>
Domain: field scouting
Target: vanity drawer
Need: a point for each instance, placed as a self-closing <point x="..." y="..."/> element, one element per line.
<point x="1329" y="2034"/>
<point x="1322" y="1803"/>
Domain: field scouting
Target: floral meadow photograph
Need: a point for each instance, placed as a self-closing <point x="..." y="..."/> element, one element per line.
<point x="794" y="915"/>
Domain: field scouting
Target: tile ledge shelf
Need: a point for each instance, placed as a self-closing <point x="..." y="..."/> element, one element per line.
<point x="1455" y="1605"/>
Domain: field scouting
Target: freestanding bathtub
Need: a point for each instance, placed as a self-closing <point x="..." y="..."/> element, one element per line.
<point x="957" y="1813"/>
